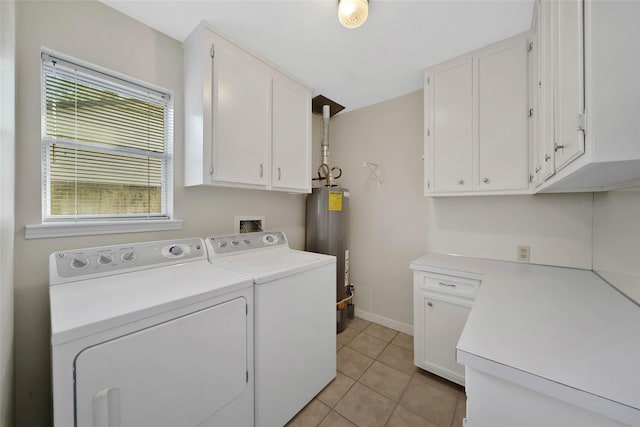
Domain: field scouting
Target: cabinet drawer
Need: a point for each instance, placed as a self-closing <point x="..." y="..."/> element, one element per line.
<point x="452" y="285"/>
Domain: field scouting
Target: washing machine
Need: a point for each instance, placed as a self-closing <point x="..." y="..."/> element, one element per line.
<point x="294" y="319"/>
<point x="150" y="334"/>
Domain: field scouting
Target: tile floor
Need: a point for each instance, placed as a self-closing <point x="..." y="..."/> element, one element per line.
<point x="378" y="385"/>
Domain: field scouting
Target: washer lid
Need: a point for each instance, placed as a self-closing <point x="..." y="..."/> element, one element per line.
<point x="268" y="265"/>
<point x="86" y="307"/>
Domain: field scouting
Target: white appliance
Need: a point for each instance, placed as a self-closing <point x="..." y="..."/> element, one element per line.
<point x="295" y="319"/>
<point x="150" y="334"/>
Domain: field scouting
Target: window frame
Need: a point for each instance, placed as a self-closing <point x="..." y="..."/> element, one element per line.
<point x="119" y="83"/>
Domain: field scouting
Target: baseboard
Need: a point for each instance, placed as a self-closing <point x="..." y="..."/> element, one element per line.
<point x="385" y="321"/>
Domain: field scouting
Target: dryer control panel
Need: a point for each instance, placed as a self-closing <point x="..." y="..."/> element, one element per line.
<point x="81" y="264"/>
<point x="234" y="243"/>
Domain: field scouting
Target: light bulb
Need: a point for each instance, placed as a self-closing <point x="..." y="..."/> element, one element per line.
<point x="353" y="13"/>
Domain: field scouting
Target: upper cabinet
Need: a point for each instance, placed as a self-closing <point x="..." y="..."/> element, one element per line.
<point x="291" y="158"/>
<point x="476" y="122"/>
<point x="588" y="91"/>
<point x="246" y="124"/>
<point x="449" y="126"/>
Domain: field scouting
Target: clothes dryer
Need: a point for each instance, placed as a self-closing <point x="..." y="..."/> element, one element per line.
<point x="150" y="334"/>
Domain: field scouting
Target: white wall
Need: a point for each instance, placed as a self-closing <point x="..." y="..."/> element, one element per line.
<point x="387" y="223"/>
<point x="557" y="227"/>
<point x="7" y="160"/>
<point x="616" y="239"/>
<point x="93" y="32"/>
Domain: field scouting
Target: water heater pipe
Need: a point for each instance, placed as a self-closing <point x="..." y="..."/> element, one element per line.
<point x="325" y="134"/>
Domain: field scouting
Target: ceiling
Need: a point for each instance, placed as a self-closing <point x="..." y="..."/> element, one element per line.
<point x="381" y="60"/>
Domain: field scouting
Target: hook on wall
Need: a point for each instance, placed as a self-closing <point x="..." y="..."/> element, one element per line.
<point x="373" y="167"/>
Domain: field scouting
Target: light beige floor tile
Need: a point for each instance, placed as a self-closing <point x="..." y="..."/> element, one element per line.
<point x="385" y="380"/>
<point x="367" y="345"/>
<point x="311" y="415"/>
<point x="347" y="335"/>
<point x="379" y="331"/>
<point x="398" y="358"/>
<point x="358" y="323"/>
<point x="461" y="412"/>
<point x="404" y="341"/>
<point x="402" y="417"/>
<point x="332" y="393"/>
<point x="364" y="407"/>
<point x="444" y="384"/>
<point x="427" y="399"/>
<point x="352" y="363"/>
<point x="338" y="347"/>
<point x="335" y="420"/>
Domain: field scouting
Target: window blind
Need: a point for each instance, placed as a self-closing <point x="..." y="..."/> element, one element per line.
<point x="106" y="145"/>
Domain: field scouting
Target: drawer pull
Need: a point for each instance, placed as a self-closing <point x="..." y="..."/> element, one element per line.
<point x="451" y="285"/>
<point x="430" y="304"/>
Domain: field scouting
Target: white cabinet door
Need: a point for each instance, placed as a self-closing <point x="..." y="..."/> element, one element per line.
<point x="501" y="115"/>
<point x="449" y="128"/>
<point x="544" y="149"/>
<point x="568" y="58"/>
<point x="291" y="156"/>
<point x="241" y="117"/>
<point x="439" y="321"/>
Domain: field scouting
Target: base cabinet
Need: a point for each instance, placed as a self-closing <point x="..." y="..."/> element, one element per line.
<point x="441" y="307"/>
<point x="492" y="402"/>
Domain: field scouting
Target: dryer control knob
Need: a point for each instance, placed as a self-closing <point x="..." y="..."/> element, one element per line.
<point x="176" y="250"/>
<point x="79" y="263"/>
<point x="105" y="259"/>
<point x="128" y="256"/>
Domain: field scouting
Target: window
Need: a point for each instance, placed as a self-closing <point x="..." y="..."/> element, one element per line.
<point x="107" y="146"/>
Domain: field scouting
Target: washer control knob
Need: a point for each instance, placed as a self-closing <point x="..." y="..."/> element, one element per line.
<point x="246" y="242"/>
<point x="235" y="243"/>
<point x="79" y="263"/>
<point x="128" y="256"/>
<point x="176" y="250"/>
<point x="105" y="259"/>
<point x="222" y="244"/>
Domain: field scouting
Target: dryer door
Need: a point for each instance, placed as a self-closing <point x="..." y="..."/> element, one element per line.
<point x="177" y="373"/>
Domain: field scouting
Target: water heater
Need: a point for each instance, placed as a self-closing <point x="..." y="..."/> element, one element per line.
<point x="328" y="233"/>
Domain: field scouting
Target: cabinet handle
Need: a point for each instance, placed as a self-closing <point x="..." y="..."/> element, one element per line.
<point x="261" y="170"/>
<point x="461" y="182"/>
<point x="557" y="146"/>
<point x="451" y="285"/>
<point x="279" y="174"/>
<point x="486" y="180"/>
<point x="547" y="157"/>
<point x="430" y="304"/>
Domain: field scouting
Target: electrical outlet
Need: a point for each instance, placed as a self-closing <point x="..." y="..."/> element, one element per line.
<point x="523" y="253"/>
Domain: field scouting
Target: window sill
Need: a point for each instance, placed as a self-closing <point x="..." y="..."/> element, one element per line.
<point x="44" y="231"/>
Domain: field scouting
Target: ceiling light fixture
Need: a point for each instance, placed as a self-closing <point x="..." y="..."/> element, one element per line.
<point x="353" y="13"/>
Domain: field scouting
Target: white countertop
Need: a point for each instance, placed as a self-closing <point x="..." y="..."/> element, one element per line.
<point x="561" y="331"/>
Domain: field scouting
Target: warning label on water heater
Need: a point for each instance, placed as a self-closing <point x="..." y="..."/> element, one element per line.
<point x="335" y="200"/>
